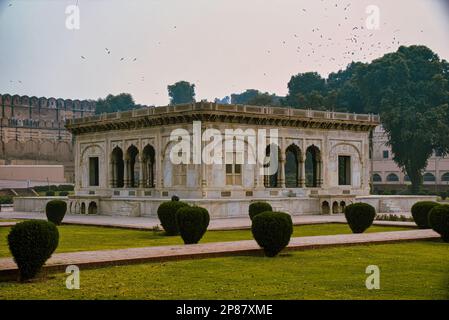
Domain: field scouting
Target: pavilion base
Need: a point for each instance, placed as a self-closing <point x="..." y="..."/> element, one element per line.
<point x="219" y="208"/>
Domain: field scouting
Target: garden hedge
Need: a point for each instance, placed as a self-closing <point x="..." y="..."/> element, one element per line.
<point x="360" y="216"/>
<point x="192" y="223"/>
<point x="55" y="211"/>
<point x="31" y="243"/>
<point x="439" y="221"/>
<point x="258" y="207"/>
<point x="272" y="231"/>
<point x="167" y="216"/>
<point x="420" y="213"/>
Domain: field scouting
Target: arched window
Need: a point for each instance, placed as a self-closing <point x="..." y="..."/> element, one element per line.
<point x="148" y="166"/>
<point x="271" y="158"/>
<point x="118" y="166"/>
<point x="428" y="177"/>
<point x="313" y="167"/>
<point x="392" y="177"/>
<point x="377" y="178"/>
<point x="293" y="167"/>
<point x="445" y="177"/>
<point x="132" y="171"/>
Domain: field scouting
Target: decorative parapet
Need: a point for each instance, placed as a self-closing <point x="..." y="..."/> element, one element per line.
<point x="51" y="103"/>
<point x="207" y="111"/>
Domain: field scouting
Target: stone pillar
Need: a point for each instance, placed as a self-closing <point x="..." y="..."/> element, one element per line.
<point x="281" y="172"/>
<point x="142" y="177"/>
<point x="302" y="179"/>
<point x="319" y="174"/>
<point x="126" y="174"/>
<point x="112" y="176"/>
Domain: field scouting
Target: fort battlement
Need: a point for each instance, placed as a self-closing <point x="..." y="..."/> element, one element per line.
<point x="32" y="130"/>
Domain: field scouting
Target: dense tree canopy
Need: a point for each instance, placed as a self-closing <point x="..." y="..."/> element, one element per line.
<point x="408" y="88"/>
<point x="256" y="98"/>
<point x="181" y="92"/>
<point x="111" y="103"/>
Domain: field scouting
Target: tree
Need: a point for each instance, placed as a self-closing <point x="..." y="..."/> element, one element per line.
<point x="111" y="103"/>
<point x="410" y="90"/>
<point x="181" y="92"/>
<point x="244" y="97"/>
<point x="305" y="88"/>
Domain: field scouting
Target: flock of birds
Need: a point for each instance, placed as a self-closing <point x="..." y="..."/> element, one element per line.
<point x="359" y="44"/>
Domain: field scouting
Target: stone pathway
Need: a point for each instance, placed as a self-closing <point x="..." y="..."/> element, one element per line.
<point x="8" y="268"/>
<point x="146" y="223"/>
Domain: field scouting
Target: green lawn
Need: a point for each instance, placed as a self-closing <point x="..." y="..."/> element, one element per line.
<point x="414" y="270"/>
<point x="82" y="238"/>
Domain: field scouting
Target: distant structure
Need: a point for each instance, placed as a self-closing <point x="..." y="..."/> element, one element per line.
<point x="32" y="130"/>
<point x="387" y="175"/>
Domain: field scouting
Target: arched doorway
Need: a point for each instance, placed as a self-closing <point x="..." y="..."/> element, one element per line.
<point x="325" y="209"/>
<point x="293" y="164"/>
<point x="342" y="206"/>
<point x="117" y="171"/>
<point x="313" y="167"/>
<point x="83" y="208"/>
<point x="271" y="179"/>
<point x="148" y="158"/>
<point x="132" y="171"/>
<point x="335" y="207"/>
<point x="92" y="209"/>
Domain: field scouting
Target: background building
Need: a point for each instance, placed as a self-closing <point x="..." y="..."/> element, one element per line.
<point x="388" y="176"/>
<point x="32" y="134"/>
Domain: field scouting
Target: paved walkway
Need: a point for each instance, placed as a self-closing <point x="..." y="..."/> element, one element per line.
<point x="146" y="223"/>
<point x="59" y="261"/>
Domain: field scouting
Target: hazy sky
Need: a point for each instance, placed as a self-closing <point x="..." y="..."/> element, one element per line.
<point x="223" y="46"/>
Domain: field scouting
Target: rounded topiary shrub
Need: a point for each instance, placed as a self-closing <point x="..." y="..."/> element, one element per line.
<point x="167" y="216"/>
<point x="49" y="193"/>
<point x="193" y="223"/>
<point x="360" y="216"/>
<point x="258" y="207"/>
<point x="174" y="198"/>
<point x="31" y="243"/>
<point x="63" y="193"/>
<point x="272" y="231"/>
<point x="439" y="220"/>
<point x="420" y="213"/>
<point x="55" y="211"/>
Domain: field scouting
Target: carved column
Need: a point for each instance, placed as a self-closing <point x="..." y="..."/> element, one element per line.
<point x="126" y="173"/>
<point x="281" y="172"/>
<point x="112" y="174"/>
<point x="303" y="174"/>
<point x="141" y="163"/>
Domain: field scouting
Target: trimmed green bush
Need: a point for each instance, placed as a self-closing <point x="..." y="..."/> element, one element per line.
<point x="63" y="193"/>
<point x="258" y="207"/>
<point x="31" y="243"/>
<point x="443" y="195"/>
<point x="439" y="220"/>
<point x="420" y="213"/>
<point x="193" y="223"/>
<point x="6" y="199"/>
<point x="360" y="216"/>
<point x="49" y="193"/>
<point x="272" y="231"/>
<point x="174" y="198"/>
<point x="55" y="211"/>
<point x="167" y="216"/>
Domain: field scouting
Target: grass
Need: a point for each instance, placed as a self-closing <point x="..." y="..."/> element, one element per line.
<point x="413" y="270"/>
<point x="84" y="238"/>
